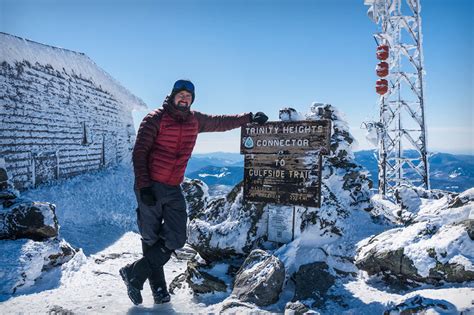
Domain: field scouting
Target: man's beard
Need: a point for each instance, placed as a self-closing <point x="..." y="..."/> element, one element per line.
<point x="183" y="107"/>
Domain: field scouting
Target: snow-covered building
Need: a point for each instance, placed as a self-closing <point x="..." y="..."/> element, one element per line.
<point x="60" y="113"/>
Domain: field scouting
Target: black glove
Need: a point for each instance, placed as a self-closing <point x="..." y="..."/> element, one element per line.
<point x="259" y="117"/>
<point x="147" y="196"/>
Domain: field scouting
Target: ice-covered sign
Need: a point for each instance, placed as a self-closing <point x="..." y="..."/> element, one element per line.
<point x="290" y="137"/>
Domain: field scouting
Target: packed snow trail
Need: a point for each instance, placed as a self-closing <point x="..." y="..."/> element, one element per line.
<point x="93" y="285"/>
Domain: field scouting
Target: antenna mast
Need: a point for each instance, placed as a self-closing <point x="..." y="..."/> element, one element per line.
<point x="402" y="153"/>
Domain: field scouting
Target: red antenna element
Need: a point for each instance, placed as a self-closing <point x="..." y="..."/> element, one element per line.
<point x="382" y="69"/>
<point x="382" y="52"/>
<point x="381" y="86"/>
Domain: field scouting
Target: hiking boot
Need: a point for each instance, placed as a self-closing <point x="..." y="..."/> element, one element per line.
<point x="161" y="296"/>
<point x="133" y="293"/>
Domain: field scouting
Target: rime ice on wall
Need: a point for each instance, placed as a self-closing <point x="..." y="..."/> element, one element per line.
<point x="60" y="114"/>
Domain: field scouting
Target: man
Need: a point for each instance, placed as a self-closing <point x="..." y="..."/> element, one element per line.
<point x="164" y="144"/>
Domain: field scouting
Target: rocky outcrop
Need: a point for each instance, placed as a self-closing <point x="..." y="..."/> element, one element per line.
<point x="196" y="195"/>
<point x="352" y="187"/>
<point x="345" y="185"/>
<point x="33" y="220"/>
<point x="259" y="279"/>
<point x="409" y="199"/>
<point x="312" y="281"/>
<point x="227" y="227"/>
<point x="436" y="246"/>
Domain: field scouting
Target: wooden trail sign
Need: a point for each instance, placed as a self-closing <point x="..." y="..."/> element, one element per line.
<point x="292" y="137"/>
<point x="283" y="161"/>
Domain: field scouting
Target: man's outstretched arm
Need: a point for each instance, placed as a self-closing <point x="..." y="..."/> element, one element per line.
<point x="211" y="123"/>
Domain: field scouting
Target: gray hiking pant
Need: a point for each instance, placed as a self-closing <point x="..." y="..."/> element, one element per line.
<point x="163" y="229"/>
<point x="166" y="220"/>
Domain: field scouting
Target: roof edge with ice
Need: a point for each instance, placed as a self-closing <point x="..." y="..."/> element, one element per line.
<point x="17" y="49"/>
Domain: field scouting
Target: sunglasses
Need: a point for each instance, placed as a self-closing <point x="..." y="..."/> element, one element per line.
<point x="184" y="85"/>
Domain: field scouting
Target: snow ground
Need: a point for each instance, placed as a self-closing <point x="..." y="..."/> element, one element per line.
<point x="97" y="213"/>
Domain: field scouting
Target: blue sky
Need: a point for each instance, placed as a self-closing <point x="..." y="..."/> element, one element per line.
<point x="260" y="55"/>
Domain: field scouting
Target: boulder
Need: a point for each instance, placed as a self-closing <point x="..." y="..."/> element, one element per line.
<point x="421" y="252"/>
<point x="199" y="280"/>
<point x="33" y="220"/>
<point x="228" y="227"/>
<point x="435" y="246"/>
<point x="462" y="199"/>
<point x="295" y="308"/>
<point x="312" y="281"/>
<point x="234" y="306"/>
<point x="421" y="305"/>
<point x="24" y="261"/>
<point x="259" y="279"/>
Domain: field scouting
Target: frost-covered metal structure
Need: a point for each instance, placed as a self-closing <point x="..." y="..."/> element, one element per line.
<point x="60" y="114"/>
<point x="402" y="149"/>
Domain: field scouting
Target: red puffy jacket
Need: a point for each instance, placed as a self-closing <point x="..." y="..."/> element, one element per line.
<point x="165" y="142"/>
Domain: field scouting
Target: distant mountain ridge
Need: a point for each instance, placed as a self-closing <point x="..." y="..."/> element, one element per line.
<point x="217" y="159"/>
<point x="453" y="172"/>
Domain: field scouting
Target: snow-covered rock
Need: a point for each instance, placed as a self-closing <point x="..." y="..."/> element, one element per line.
<point x="196" y="193"/>
<point x="437" y="246"/>
<point x="290" y="114"/>
<point x="259" y="279"/>
<point x="198" y="278"/>
<point x="409" y="199"/>
<point x="185" y="253"/>
<point x="7" y="191"/>
<point x="227" y="227"/>
<point x="33" y="220"/>
<point x="24" y="261"/>
<point x="294" y="308"/>
<point x="235" y="306"/>
<point x="422" y="305"/>
<point x="347" y="181"/>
